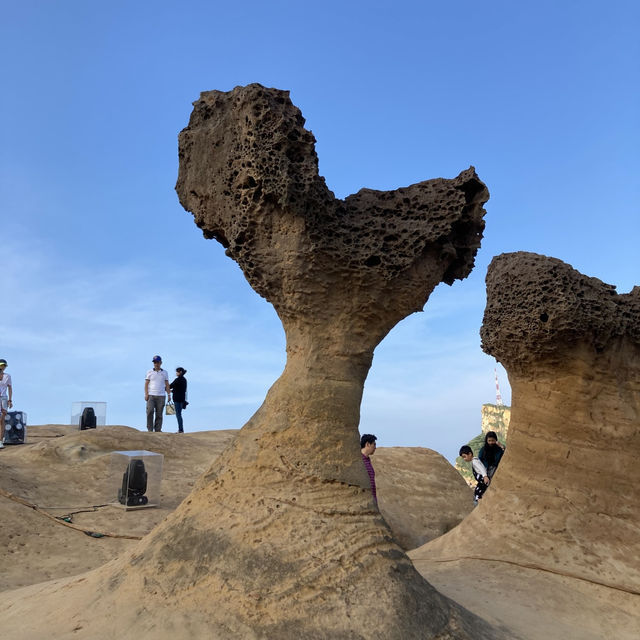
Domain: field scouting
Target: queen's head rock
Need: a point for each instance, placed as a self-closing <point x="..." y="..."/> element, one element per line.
<point x="281" y="538"/>
<point x="249" y="175"/>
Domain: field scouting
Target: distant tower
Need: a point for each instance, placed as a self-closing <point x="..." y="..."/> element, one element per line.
<point x="498" y="395"/>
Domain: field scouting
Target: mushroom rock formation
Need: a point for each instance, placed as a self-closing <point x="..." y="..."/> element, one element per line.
<point x="281" y="538"/>
<point x="565" y="497"/>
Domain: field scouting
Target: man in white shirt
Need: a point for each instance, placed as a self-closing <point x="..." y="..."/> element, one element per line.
<point x="156" y="384"/>
<point x="6" y="396"/>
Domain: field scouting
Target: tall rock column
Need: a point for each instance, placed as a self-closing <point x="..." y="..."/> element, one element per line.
<point x="340" y="274"/>
<point x="565" y="496"/>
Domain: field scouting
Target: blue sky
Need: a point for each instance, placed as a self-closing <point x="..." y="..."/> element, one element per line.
<point x="101" y="268"/>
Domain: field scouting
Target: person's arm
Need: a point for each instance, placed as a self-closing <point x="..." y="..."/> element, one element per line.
<point x="166" y="385"/>
<point x="481" y="469"/>
<point x="146" y="389"/>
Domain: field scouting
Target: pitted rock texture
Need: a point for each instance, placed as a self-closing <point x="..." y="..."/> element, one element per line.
<point x="540" y="307"/>
<point x="565" y="497"/>
<point x="280" y="538"/>
<point x="249" y="175"/>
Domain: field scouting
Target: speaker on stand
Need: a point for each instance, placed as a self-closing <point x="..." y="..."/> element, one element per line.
<point x="15" y="427"/>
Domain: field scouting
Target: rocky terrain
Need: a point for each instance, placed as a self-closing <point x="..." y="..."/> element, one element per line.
<point x="420" y="495"/>
<point x="280" y="537"/>
<point x="272" y="532"/>
<point x="563" y="506"/>
<point x="63" y="474"/>
<point x="417" y="489"/>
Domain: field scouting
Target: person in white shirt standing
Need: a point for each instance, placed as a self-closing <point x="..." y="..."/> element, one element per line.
<point x="156" y="384"/>
<point x="6" y="397"/>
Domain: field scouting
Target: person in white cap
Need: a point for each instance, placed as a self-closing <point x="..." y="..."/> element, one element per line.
<point x="6" y="397"/>
<point x="156" y="384"/>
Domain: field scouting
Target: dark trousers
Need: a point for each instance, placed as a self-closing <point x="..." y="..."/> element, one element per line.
<point x="155" y="404"/>
<point x="481" y="487"/>
<point x="179" y="405"/>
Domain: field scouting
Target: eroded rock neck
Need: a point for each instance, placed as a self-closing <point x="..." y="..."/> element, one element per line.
<point x="309" y="419"/>
<point x="583" y="415"/>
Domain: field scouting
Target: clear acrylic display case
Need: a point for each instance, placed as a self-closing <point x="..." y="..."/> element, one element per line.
<point x="99" y="410"/>
<point x="134" y="479"/>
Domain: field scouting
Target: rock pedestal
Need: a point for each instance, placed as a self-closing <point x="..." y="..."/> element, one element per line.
<point x="281" y="539"/>
<point x="565" y="497"/>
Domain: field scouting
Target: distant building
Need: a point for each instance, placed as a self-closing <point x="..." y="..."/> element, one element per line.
<point x="496" y="417"/>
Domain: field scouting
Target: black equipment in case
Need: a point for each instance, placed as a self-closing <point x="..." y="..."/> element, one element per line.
<point x="134" y="485"/>
<point x="88" y="419"/>
<point x="15" y="427"/>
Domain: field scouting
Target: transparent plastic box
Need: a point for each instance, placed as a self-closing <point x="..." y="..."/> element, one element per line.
<point x="15" y="427"/>
<point x="134" y="479"/>
<point x="99" y="410"/>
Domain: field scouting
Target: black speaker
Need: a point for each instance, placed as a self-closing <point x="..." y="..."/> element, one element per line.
<point x="134" y="485"/>
<point x="15" y="427"/>
<point x="88" y="419"/>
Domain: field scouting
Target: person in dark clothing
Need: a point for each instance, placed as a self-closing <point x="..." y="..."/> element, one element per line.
<point x="179" y="389"/>
<point x="491" y="453"/>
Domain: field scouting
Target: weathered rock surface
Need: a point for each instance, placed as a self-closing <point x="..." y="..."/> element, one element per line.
<point x="71" y="466"/>
<point x="565" y="499"/>
<point x="280" y="539"/>
<point x="67" y="471"/>
<point x="420" y="495"/>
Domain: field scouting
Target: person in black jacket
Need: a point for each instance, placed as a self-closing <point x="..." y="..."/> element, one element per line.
<point x="492" y="452"/>
<point x="179" y="389"/>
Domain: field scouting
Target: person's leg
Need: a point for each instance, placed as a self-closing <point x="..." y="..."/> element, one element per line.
<point x="178" y="406"/>
<point x="157" y="425"/>
<point x="481" y="487"/>
<point x="4" y="406"/>
<point x="150" y="408"/>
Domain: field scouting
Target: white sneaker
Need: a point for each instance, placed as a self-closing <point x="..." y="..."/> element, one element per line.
<point x="1" y="445"/>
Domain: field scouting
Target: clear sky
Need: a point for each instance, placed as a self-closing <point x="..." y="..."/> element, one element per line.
<point x="101" y="268"/>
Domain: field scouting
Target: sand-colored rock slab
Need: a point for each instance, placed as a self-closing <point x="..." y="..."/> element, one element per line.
<point x="536" y="605"/>
<point x="529" y="604"/>
<point x="564" y="499"/>
<point x="66" y="471"/>
<point x="421" y="496"/>
<point x="280" y="538"/>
